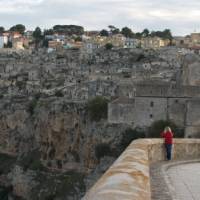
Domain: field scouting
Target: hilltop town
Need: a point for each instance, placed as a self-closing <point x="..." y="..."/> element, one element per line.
<point x="69" y="96"/>
<point x="72" y="36"/>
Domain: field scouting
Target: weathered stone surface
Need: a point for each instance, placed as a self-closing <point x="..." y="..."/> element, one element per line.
<point x="191" y="70"/>
<point x="22" y="182"/>
<point x="42" y="96"/>
<point x="159" y="188"/>
<point x="175" y="180"/>
<point x="183" y="180"/>
<point x="129" y="177"/>
<point x="101" y="168"/>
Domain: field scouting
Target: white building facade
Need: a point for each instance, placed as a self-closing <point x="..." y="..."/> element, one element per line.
<point x="3" y="41"/>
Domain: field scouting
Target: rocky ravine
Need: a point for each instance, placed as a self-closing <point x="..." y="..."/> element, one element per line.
<point x="51" y="145"/>
<point x="47" y="140"/>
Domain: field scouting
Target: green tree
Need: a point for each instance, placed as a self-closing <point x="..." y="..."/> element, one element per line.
<point x="18" y="28"/>
<point x="129" y="135"/>
<point x="104" y="33"/>
<point x="157" y="128"/>
<point x="167" y="34"/>
<point x="116" y="31"/>
<point x="145" y="32"/>
<point x="113" y="29"/>
<point x="5" y="192"/>
<point x="69" y="29"/>
<point x="37" y="34"/>
<point x="48" y="32"/>
<point x="109" y="46"/>
<point x="98" y="108"/>
<point x="138" y="35"/>
<point x="101" y="150"/>
<point x="78" y="39"/>
<point x="2" y="29"/>
<point x="45" y="43"/>
<point x="153" y="34"/>
<point x="127" y="32"/>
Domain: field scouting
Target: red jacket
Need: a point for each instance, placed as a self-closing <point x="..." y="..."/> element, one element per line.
<point x="168" y="137"/>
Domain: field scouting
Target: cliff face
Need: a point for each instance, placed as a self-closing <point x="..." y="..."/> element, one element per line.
<point x="55" y="128"/>
<point x="49" y="138"/>
<point x="23" y="179"/>
<point x="59" y="129"/>
<point x="16" y="131"/>
<point x="50" y="134"/>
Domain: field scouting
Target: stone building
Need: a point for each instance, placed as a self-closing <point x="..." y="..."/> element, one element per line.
<point x="132" y="43"/>
<point x="195" y="38"/>
<point x="158" y="101"/>
<point x="154" y="42"/>
<point x="18" y="43"/>
<point x="3" y="40"/>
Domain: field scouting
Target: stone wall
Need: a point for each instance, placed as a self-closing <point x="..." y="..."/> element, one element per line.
<point x="140" y="111"/>
<point x="153" y="89"/>
<point x="149" y="110"/>
<point x="129" y="177"/>
<point x="193" y="118"/>
<point x="177" y="110"/>
<point x="143" y="111"/>
<point x="121" y="110"/>
<point x="165" y="89"/>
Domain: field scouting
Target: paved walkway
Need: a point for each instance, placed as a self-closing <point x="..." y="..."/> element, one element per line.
<point x="175" y="181"/>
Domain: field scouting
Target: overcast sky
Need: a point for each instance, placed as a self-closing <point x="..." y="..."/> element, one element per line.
<point x="181" y="16"/>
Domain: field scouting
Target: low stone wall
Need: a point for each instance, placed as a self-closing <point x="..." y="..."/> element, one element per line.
<point x="129" y="178"/>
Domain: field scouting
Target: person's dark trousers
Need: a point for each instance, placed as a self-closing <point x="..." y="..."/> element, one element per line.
<point x="169" y="151"/>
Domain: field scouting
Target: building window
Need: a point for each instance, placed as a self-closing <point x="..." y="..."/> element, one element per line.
<point x="152" y="104"/>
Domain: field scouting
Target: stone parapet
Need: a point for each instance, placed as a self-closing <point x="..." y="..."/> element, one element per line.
<point x="129" y="177"/>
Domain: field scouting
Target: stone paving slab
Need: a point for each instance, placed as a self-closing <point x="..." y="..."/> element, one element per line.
<point x="186" y="181"/>
<point x="159" y="188"/>
<point x="175" y="180"/>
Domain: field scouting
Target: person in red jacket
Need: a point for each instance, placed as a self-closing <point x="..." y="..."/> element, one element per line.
<point x="167" y="134"/>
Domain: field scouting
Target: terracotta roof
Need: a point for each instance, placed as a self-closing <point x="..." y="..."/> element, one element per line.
<point x="196" y="47"/>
